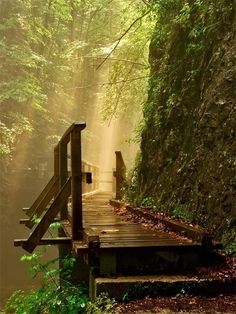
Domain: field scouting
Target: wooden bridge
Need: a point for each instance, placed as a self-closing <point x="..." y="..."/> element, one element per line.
<point x="104" y="242"/>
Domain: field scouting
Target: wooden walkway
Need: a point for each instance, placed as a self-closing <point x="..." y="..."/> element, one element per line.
<point x="108" y="243"/>
<point x="114" y="231"/>
<point x="103" y="243"/>
<point x="112" y="245"/>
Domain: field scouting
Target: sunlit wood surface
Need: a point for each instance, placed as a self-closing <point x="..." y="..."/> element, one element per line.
<point x="113" y="231"/>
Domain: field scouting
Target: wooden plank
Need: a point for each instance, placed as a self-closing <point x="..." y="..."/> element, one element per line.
<point x="109" y="225"/>
<point x="141" y="241"/>
<point x="197" y="234"/>
<point x="44" y="241"/>
<point x="48" y="217"/>
<point x="25" y="220"/>
<point x="31" y="211"/>
<point x="43" y="204"/>
<point x="154" y="245"/>
<point x="136" y="236"/>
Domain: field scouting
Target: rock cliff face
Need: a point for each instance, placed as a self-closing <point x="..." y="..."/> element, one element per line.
<point x="187" y="163"/>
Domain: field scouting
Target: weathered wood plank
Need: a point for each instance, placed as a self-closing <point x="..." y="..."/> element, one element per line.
<point x="44" y="241"/>
<point x="153" y="245"/>
<point x="25" y="220"/>
<point x="48" y="217"/>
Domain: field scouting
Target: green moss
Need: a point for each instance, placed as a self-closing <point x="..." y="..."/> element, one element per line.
<point x="186" y="137"/>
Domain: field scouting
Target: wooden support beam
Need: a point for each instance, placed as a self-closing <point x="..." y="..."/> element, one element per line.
<point x="63" y="174"/>
<point x="44" y="241"/>
<point x="91" y="238"/>
<point x="47" y="219"/>
<point x="25" y="220"/>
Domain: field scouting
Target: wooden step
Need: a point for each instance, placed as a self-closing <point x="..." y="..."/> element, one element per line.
<point x="134" y="287"/>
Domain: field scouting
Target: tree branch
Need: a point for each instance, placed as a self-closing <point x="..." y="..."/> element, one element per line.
<point x="146" y="3"/>
<point x="109" y="83"/>
<point x="121" y="37"/>
<point x="113" y="59"/>
<point x="119" y="96"/>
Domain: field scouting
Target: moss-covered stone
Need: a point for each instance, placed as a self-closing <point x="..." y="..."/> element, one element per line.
<point x="188" y="144"/>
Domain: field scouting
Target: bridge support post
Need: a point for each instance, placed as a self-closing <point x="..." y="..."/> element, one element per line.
<point x="76" y="182"/>
<point x="119" y="174"/>
<point x="63" y="174"/>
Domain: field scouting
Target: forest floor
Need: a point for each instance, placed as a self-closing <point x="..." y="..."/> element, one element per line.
<point x="167" y="305"/>
<point x="223" y="268"/>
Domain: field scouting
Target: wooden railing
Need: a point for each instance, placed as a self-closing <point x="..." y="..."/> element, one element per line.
<point x="119" y="174"/>
<point x="88" y="168"/>
<point x="69" y="179"/>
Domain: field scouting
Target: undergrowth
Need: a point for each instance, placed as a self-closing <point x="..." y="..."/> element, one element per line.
<point x="181" y="212"/>
<point x="56" y="295"/>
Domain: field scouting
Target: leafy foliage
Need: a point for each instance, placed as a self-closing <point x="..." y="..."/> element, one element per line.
<point x="103" y="305"/>
<point x="53" y="296"/>
<point x="48" y="299"/>
<point x="180" y="211"/>
<point x="129" y="68"/>
<point x="56" y="294"/>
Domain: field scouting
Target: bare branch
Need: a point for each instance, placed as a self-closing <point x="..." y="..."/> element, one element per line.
<point x="146" y="2"/>
<point x="117" y="59"/>
<point x="121" y="37"/>
<point x="109" y="83"/>
<point x="113" y="59"/>
<point x="118" y="96"/>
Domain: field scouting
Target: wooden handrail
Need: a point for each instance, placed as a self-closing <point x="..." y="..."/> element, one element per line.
<point x="48" y="217"/>
<point x="56" y="193"/>
<point x="88" y="167"/>
<point x="66" y="136"/>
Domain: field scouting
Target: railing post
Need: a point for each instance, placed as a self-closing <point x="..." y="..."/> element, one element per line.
<point x="63" y="174"/>
<point x="76" y="181"/>
<point x="120" y="174"/>
<point x="56" y="166"/>
<point x="89" y="170"/>
<point x="84" y="190"/>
